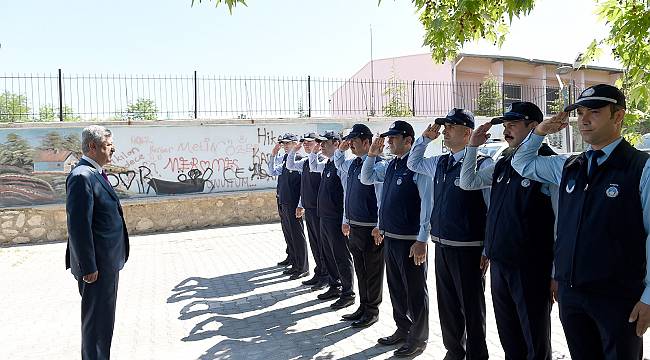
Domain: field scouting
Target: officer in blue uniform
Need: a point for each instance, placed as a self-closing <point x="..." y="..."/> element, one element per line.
<point x="309" y="184"/>
<point x="331" y="194"/>
<point x="457" y="229"/>
<point x="519" y="237"/>
<point x="404" y="218"/>
<point x="361" y="226"/>
<point x="601" y="249"/>
<point x="289" y="199"/>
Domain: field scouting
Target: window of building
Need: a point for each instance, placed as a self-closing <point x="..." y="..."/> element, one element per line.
<point x="552" y="97"/>
<point x="511" y="93"/>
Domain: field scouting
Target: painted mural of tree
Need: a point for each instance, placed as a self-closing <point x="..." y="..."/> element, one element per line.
<point x="55" y="141"/>
<point x="16" y="151"/>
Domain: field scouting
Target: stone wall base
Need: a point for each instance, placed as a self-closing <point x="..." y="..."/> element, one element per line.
<point x="145" y="215"/>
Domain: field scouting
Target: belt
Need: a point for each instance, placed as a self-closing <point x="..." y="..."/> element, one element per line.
<point x="359" y="223"/>
<point x="456" y="243"/>
<point x="400" y="237"/>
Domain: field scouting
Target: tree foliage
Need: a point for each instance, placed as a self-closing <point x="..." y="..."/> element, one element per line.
<point x="231" y="3"/>
<point x="13" y="107"/>
<point x="48" y="113"/>
<point x="489" y="98"/>
<point x="397" y="104"/>
<point x="142" y="109"/>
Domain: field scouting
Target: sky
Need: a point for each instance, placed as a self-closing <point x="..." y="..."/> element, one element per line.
<point x="268" y="38"/>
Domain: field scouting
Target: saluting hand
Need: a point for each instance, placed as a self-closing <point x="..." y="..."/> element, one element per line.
<point x="315" y="149"/>
<point x="345" y="229"/>
<point x="91" y="278"/>
<point x="553" y="124"/>
<point x="344" y="145"/>
<point x="377" y="146"/>
<point x="480" y="136"/>
<point x="432" y="131"/>
<point x="418" y="252"/>
<point x="640" y="314"/>
<point x="276" y="149"/>
<point x="297" y="147"/>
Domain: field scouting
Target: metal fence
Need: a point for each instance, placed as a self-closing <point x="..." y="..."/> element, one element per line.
<point x="66" y="97"/>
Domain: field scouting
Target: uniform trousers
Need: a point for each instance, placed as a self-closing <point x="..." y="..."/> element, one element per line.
<point x="522" y="308"/>
<point x="316" y="243"/>
<point x="294" y="231"/>
<point x="337" y="257"/>
<point x="407" y="285"/>
<point x="596" y="323"/>
<point x="286" y="233"/>
<point x="368" y="261"/>
<point x="460" y="289"/>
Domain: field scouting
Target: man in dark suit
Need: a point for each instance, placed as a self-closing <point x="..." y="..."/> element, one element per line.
<point x="98" y="242"/>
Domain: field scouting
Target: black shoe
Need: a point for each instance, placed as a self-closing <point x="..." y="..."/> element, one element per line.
<point x="299" y="275"/>
<point x="365" y="321"/>
<point x="409" y="350"/>
<point x="392" y="340"/>
<point x="343" y="302"/>
<point x="312" y="281"/>
<point x="284" y="262"/>
<point x="319" y="286"/>
<point x="331" y="293"/>
<point x="354" y="316"/>
<point x="290" y="271"/>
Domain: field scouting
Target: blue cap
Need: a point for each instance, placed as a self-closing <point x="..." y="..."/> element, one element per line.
<point x="457" y="117"/>
<point x="400" y="127"/>
<point x="520" y="110"/>
<point x="359" y="130"/>
<point x="288" y="137"/>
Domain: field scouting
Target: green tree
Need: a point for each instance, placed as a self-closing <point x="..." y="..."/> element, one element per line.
<point x="49" y="113"/>
<point x="143" y="109"/>
<point x="16" y="152"/>
<point x="489" y="99"/>
<point x="13" y="107"/>
<point x="396" y="92"/>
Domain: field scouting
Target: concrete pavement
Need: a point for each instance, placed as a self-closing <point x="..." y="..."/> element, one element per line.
<point x="208" y="294"/>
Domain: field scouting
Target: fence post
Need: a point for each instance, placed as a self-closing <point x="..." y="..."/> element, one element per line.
<point x="196" y="101"/>
<point x="413" y="107"/>
<point x="308" y="96"/>
<point x="60" y="95"/>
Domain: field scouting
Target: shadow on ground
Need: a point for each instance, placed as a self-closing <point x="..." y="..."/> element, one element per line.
<point x="243" y="330"/>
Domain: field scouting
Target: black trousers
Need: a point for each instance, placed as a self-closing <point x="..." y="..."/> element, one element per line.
<point x="596" y="324"/>
<point x="98" y="315"/>
<point x="294" y="229"/>
<point x="369" y="266"/>
<point x="336" y="253"/>
<point x="522" y="307"/>
<point x="286" y="233"/>
<point x="315" y="243"/>
<point x="407" y="285"/>
<point x="460" y="288"/>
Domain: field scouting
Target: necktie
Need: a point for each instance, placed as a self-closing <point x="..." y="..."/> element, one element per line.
<point x="593" y="163"/>
<point x="450" y="162"/>
<point x="105" y="177"/>
<point x="358" y="161"/>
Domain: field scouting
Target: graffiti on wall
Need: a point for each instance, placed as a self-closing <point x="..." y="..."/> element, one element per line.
<point x="149" y="160"/>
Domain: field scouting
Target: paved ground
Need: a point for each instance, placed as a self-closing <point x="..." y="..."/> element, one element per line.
<point x="209" y="294"/>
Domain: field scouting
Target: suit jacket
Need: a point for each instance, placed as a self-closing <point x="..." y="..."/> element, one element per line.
<point x="97" y="236"/>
